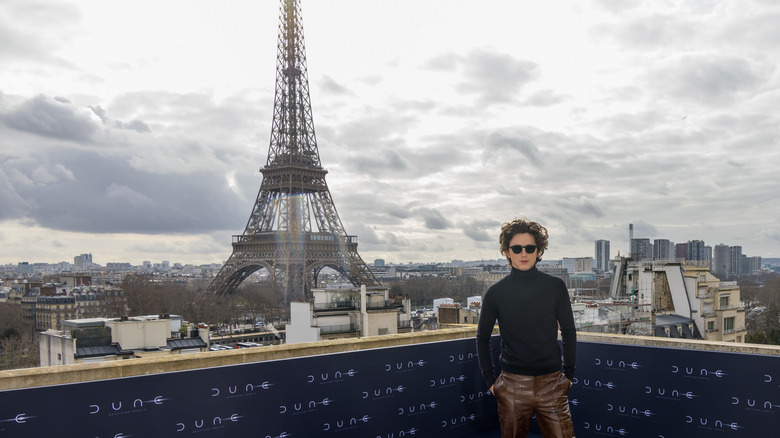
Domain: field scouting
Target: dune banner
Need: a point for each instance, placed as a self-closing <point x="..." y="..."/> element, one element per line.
<point x="421" y="390"/>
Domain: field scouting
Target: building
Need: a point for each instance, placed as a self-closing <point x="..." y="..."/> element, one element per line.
<point x="83" y="261"/>
<point x="721" y="260"/>
<point x="751" y="265"/>
<point x="118" y="266"/>
<point x="603" y="263"/>
<point x="455" y="313"/>
<point x="681" y="251"/>
<point x="51" y="311"/>
<point x="583" y="265"/>
<point x="47" y="305"/>
<point x="695" y="250"/>
<point x="69" y="281"/>
<point x="663" y="249"/>
<point x="491" y="277"/>
<point x="25" y="268"/>
<point x="578" y="264"/>
<point x="735" y="261"/>
<point x="347" y="312"/>
<point x="641" y="249"/>
<point x="107" y="339"/>
<point x="685" y="299"/>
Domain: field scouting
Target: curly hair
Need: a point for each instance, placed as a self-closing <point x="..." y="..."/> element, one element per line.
<point x="519" y="226"/>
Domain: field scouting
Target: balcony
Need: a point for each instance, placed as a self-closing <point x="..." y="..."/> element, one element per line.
<point x="377" y="305"/>
<point x="336" y="305"/>
<point x="423" y="384"/>
<point x="343" y="328"/>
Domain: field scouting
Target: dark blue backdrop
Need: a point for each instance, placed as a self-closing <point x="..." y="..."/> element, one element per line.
<point x="426" y="390"/>
<point x="623" y="390"/>
<point x="421" y="390"/>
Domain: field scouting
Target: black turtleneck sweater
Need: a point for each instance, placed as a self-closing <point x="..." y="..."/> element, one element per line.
<point x="529" y="306"/>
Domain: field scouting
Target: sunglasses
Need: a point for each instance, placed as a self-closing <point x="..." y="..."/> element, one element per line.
<point x="517" y="249"/>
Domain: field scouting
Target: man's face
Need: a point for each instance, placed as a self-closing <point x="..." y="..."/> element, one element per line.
<point x="522" y="261"/>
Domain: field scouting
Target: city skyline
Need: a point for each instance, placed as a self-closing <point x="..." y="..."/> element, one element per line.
<point x="595" y="256"/>
<point x="128" y="137"/>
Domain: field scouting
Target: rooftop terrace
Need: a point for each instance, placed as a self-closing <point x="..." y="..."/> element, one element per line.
<point x="415" y="384"/>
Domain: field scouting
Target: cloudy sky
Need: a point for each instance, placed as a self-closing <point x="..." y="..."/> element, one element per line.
<point x="135" y="130"/>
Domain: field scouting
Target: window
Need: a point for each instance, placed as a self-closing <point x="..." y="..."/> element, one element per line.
<point x="724" y="301"/>
<point x="710" y="326"/>
<point x="728" y="324"/>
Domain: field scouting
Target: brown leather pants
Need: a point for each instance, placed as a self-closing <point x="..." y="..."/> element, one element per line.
<point x="519" y="397"/>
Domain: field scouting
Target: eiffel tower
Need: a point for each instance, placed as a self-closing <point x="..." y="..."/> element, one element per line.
<point x="294" y="230"/>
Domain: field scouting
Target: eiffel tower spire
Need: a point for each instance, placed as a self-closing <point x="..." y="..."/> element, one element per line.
<point x="294" y="230"/>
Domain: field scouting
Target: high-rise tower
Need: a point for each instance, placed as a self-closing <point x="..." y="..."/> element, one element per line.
<point x="294" y="230"/>
<point x="602" y="255"/>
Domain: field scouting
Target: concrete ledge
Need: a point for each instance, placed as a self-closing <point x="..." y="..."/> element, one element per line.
<point x="682" y="344"/>
<point x="44" y="376"/>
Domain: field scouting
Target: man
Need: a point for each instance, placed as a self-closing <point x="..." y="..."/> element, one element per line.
<point x="529" y="306"/>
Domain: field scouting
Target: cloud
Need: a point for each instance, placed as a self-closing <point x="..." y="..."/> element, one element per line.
<point x="545" y="98"/>
<point x="51" y="118"/>
<point x="581" y="204"/>
<point x="444" y="62"/>
<point x="21" y="36"/>
<point x="135" y="125"/>
<point x="55" y="174"/>
<point x="433" y="219"/>
<point x="478" y="230"/>
<point x="492" y="77"/>
<point x="386" y="159"/>
<point x="328" y="85"/>
<point x="708" y="78"/>
<point x="497" y="144"/>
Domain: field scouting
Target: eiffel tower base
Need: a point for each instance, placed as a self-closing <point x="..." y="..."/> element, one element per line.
<point x="293" y="262"/>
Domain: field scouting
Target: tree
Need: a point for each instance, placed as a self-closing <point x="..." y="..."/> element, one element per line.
<point x="261" y="301"/>
<point x="764" y="327"/>
<point x="423" y="290"/>
<point x="18" y="339"/>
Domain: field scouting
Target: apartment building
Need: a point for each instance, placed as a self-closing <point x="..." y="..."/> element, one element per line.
<point x="685" y="299"/>
<point x="107" y="339"/>
<point x="342" y="312"/>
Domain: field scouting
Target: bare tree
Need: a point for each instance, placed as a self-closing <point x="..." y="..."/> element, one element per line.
<point x="18" y="339"/>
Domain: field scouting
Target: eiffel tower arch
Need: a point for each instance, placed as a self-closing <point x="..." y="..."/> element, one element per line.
<point x="294" y="230"/>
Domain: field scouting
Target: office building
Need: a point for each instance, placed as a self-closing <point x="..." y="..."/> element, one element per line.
<point x="641" y="249"/>
<point x="721" y="261"/>
<point x="696" y="251"/>
<point x="681" y="251"/>
<point x="735" y="261"/>
<point x="751" y="265"/>
<point x="663" y="249"/>
<point x="602" y="256"/>
<point x="83" y="261"/>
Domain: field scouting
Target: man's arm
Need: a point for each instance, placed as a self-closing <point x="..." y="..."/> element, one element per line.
<point x="487" y="319"/>
<point x="568" y="334"/>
